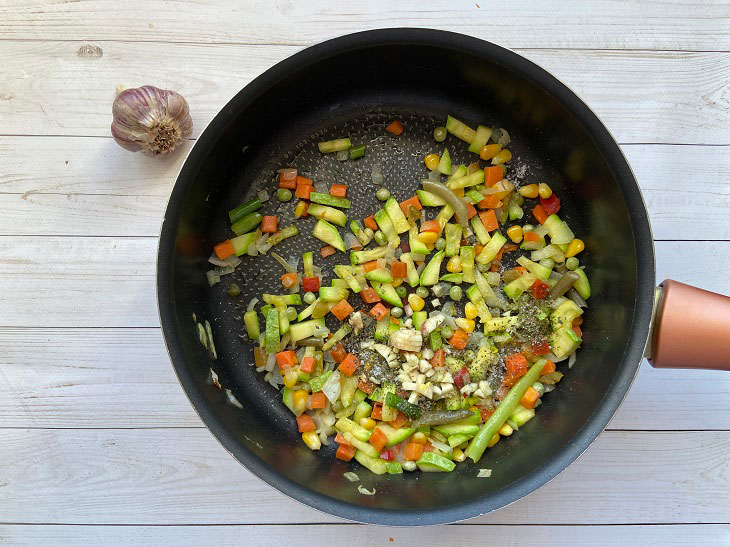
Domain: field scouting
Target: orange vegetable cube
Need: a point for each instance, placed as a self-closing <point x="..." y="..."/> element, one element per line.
<point x="377" y="412"/>
<point x="342" y="309"/>
<point x="345" y="452"/>
<point x="369" y="296"/>
<point x="410" y="202"/>
<point x="378" y="439"/>
<point x="305" y="423"/>
<point x="338" y="190"/>
<point x="327" y="250"/>
<point x="338" y="353"/>
<point x="303" y="191"/>
<point x="307" y="364"/>
<point x="378" y="311"/>
<point x="317" y="400"/>
<point x="539" y="213"/>
<point x="349" y="364"/>
<point x="370" y="223"/>
<point x="459" y="340"/>
<point x="224" y="250"/>
<point x="413" y="452"/>
<point x="489" y="219"/>
<point x="493" y="174"/>
<point x="269" y="224"/>
<point x="395" y="127"/>
<point x="399" y="269"/>
<point x="530" y="398"/>
<point x="286" y="358"/>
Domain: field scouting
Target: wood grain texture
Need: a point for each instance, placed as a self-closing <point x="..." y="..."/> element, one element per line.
<point x="122" y="378"/>
<point x="105" y="191"/>
<point x="353" y="535"/>
<point x="647" y="96"/>
<point x="110" y="282"/>
<point x="656" y="24"/>
<point x="182" y="476"/>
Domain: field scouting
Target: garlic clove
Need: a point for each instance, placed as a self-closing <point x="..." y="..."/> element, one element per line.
<point x="150" y="120"/>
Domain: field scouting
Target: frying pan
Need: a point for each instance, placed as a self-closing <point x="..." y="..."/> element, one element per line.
<point x="355" y="85"/>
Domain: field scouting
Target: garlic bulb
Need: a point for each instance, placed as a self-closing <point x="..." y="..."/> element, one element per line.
<point x="150" y="120"/>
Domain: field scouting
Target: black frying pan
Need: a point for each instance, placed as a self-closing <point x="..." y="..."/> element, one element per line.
<point x="354" y="86"/>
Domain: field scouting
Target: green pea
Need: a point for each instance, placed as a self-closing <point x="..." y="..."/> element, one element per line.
<point x="422" y="292"/>
<point x="440" y="243"/>
<point x="380" y="238"/>
<point x="401" y="291"/>
<point x="548" y="263"/>
<point x="447" y="332"/>
<point x="283" y="194"/>
<point x="439" y="134"/>
<point x="455" y="293"/>
<point x="572" y="263"/>
<point x="234" y="290"/>
<point x="291" y="313"/>
<point x="396" y="312"/>
<point x="309" y="297"/>
<point x="382" y="194"/>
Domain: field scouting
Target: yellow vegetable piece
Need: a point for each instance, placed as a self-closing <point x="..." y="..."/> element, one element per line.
<point x="290" y="377"/>
<point x="311" y="439"/>
<point x="459" y="455"/>
<point x="529" y="191"/>
<point x="503" y="156"/>
<point x="458" y="192"/>
<point x="416" y="302"/>
<point x="429" y="238"/>
<point x="367" y="423"/>
<point x="432" y="161"/>
<point x="506" y="430"/>
<point x="515" y="233"/>
<point x="544" y="190"/>
<point x="575" y="247"/>
<point x="397" y="282"/>
<point x="419" y="438"/>
<point x="488" y="151"/>
<point x="494" y="440"/>
<point x="467" y="324"/>
<point x="454" y="264"/>
<point x="300" y="400"/>
<point x="300" y="209"/>
<point x="470" y="310"/>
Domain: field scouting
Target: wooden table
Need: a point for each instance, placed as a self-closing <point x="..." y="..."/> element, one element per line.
<point x="98" y="443"/>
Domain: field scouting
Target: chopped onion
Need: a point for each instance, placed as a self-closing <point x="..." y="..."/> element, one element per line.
<point x="376" y="175"/>
<point x="504" y="138"/>
<point x="434" y="176"/>
<point x="364" y="491"/>
<point x="233" y="261"/>
<point x="320" y="331"/>
<point x="275" y="378"/>
<point x="321" y="187"/>
<point x="398" y="252"/>
<point x="475" y="340"/>
<point x="217" y="261"/>
<point x="288" y="173"/>
<point x="213" y="277"/>
<point x="350" y="476"/>
<point x="389" y="255"/>
<point x="225" y="270"/>
<point x="441" y="446"/>
<point x="351" y="241"/>
<point x="342" y="155"/>
<point x="449" y="197"/>
<point x="332" y="388"/>
<point x="284" y="263"/>
<point x="263" y="196"/>
<point x="381" y="262"/>
<point x="571" y="360"/>
<point x="232" y="399"/>
<point x="473" y="168"/>
<point x="271" y="362"/>
<point x="211" y="344"/>
<point x="285" y="341"/>
<point x="484" y="473"/>
<point x="252" y="303"/>
<point x="294" y="263"/>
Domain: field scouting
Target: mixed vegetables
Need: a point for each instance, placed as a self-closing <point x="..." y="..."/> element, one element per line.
<point x="449" y="329"/>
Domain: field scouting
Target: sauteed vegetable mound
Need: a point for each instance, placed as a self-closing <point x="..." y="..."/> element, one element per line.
<point x="449" y="329"/>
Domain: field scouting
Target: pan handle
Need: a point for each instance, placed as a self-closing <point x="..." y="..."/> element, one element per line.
<point x="691" y="328"/>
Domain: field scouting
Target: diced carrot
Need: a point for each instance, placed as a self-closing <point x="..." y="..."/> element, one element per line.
<point x="495" y="265"/>
<point x="310" y="284"/>
<point x="338" y="190"/>
<point x="486" y="413"/>
<point x="578" y="321"/>
<point x="289" y="184"/>
<point x="459" y="340"/>
<point x="493" y="174"/>
<point x="339" y="439"/>
<point x="304" y="181"/>
<point x="338" y="353"/>
<point x="578" y="331"/>
<point x="410" y="202"/>
<point x="489" y="219"/>
<point x="470" y="210"/>
<point x="530" y="236"/>
<point x="305" y="423"/>
<point x="303" y="191"/>
<point x="319" y="399"/>
<point x="539" y="213"/>
<point x="377" y="413"/>
<point x="342" y="309"/>
<point x="395" y="127"/>
<point x="345" y="452"/>
<point x="516" y="365"/>
<point x="349" y="364"/>
<point x="366" y="386"/>
<point x="307" y="364"/>
<point x="378" y="439"/>
<point x="521" y="269"/>
<point x="370" y="266"/>
<point x="286" y="358"/>
<point x="491" y="201"/>
<point x="478" y="248"/>
<point x="399" y="269"/>
<point x="369" y="296"/>
<point x="224" y="250"/>
<point x="413" y="452"/>
<point x="395" y="320"/>
<point x="327" y="250"/>
<point x="506" y="248"/>
<point x="530" y="398"/>
<point x="540" y="290"/>
<point x="431" y="226"/>
<point x="289" y="279"/>
<point x="378" y="311"/>
<point x="370" y="223"/>
<point x="439" y="356"/>
<point x="548" y="368"/>
<point x="269" y="224"/>
<point x="400" y="420"/>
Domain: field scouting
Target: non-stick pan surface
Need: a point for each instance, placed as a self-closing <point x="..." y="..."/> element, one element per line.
<point x="354" y="86"/>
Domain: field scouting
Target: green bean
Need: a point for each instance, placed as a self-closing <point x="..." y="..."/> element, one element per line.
<point x="283" y="194"/>
<point x="382" y="194"/>
<point x="478" y="444"/>
<point x="357" y="152"/>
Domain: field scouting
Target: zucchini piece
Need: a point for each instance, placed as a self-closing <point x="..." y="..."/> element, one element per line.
<point x="345" y="425"/>
<point x="308" y="260"/>
<point x="381" y="330"/>
<point x="541" y="272"/>
<point x="283" y="300"/>
<point x="373" y="463"/>
<point x="362" y="410"/>
<point x="460" y="130"/>
<point x="392" y="207"/>
<point x="340" y="284"/>
<point x="564" y="342"/>
<point x="327" y="147"/>
<point x="430" y="461"/>
<point x="343" y="331"/>
<point x="459" y="172"/>
<point x="519" y="285"/>
<point x="474" y="195"/>
<point x="386" y="226"/>
<point x="466" y="254"/>
<point x="435" y="340"/>
<point x="322" y="212"/>
<point x="305" y="329"/>
<point x="281" y="235"/>
<point x="332" y="201"/>
<point x="271" y="336"/>
<point x="387" y="292"/>
<point x="326" y="232"/>
<point x="428" y="199"/>
<point x="359" y="232"/>
<point x="477" y="177"/>
<point x="415" y="244"/>
<point x="583" y="286"/>
<point x="253" y="329"/>
<point x="453" y="239"/>
<point x="481" y="137"/>
<point x="396" y="435"/>
<point x="444" y="166"/>
<point x="558" y="230"/>
<point x="412" y="411"/>
<point x="456" y="440"/>
<point x="389" y="413"/>
<point x="379" y="274"/>
<point x="453" y="278"/>
<point x="491" y="249"/>
<point x="332" y="294"/>
<point x="361" y="257"/>
<point x="241" y="243"/>
<point x="430" y="274"/>
<point x="497" y="324"/>
<point x="521" y="415"/>
<point x="412" y="274"/>
<point x="393" y="468"/>
<point x="479" y="230"/>
<point x="344" y="273"/>
<point x="287" y="397"/>
<point x="461" y="429"/>
<point x="363" y="447"/>
<point x="419" y="318"/>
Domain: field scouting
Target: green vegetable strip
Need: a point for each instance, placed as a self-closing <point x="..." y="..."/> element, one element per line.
<point x="357" y="152"/>
<point x="359" y="232"/>
<point x="281" y="235"/>
<point x="285" y="300"/>
<point x="334" y="146"/>
<point x="478" y="444"/>
<point x="324" y="231"/>
<point x="308" y="260"/>
<point x="479" y="230"/>
<point x="343" y="272"/>
<point x="241" y="211"/>
<point x="326" y="199"/>
<point x="316" y="383"/>
<point x="435" y="338"/>
<point x="343" y="331"/>
<point x="246" y="224"/>
<point x="453" y="239"/>
<point x="283" y="320"/>
<point x="361" y="257"/>
<point x="474" y="196"/>
<point x="251" y="320"/>
<point x="386" y="226"/>
<point x="392" y="400"/>
<point x="467" y="263"/>
<point x="271" y="337"/>
<point x="491" y="249"/>
<point x="477" y="177"/>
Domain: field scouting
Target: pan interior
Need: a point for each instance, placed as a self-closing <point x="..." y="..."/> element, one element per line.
<point x="355" y="92"/>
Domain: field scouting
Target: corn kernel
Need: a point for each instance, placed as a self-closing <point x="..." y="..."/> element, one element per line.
<point x="290" y="377"/>
<point x="458" y="192"/>
<point x="494" y="440"/>
<point x="432" y="161"/>
<point x="397" y="282"/>
<point x="529" y="191"/>
<point x="300" y="401"/>
<point x="544" y="190"/>
<point x="506" y="430"/>
<point x="300" y="209"/>
<point x="419" y="438"/>
<point x="459" y="455"/>
<point x="503" y="156"/>
<point x="488" y="151"/>
<point x="454" y="264"/>
<point x="429" y="238"/>
<point x="367" y="423"/>
<point x="468" y="325"/>
<point x="574" y="247"/>
<point x="470" y="310"/>
<point x="311" y="439"/>
<point x="515" y="233"/>
<point x="416" y="302"/>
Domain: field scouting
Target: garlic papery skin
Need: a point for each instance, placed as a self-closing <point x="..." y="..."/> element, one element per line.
<point x="150" y="120"/>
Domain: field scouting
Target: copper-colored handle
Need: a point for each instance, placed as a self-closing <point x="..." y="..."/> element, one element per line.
<point x="691" y="328"/>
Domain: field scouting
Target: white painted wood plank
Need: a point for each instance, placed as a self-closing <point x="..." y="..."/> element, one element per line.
<point x="48" y="89"/>
<point x="182" y="476"/>
<point x="122" y="378"/>
<point x="110" y="282"/>
<point x="353" y="535"/>
<point x="105" y="191"/>
<point x="656" y="24"/>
